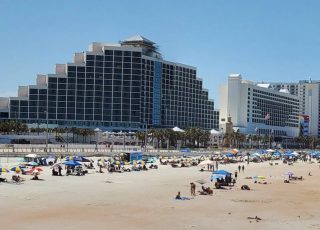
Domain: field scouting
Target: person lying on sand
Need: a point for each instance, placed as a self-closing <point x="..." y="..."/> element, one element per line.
<point x="245" y="187"/>
<point x="178" y="197"/>
<point x="262" y="182"/>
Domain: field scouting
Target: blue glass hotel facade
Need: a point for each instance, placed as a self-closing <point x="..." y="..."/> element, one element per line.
<point x="125" y="86"/>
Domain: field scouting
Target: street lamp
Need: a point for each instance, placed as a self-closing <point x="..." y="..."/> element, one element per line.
<point x="47" y="131"/>
<point x="146" y="138"/>
<point x="67" y="129"/>
<point x="258" y="136"/>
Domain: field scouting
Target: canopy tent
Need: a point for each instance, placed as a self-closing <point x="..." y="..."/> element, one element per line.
<point x="217" y="176"/>
<point x="31" y="155"/>
<point x="289" y="155"/>
<point x="221" y="172"/>
<point x="270" y="150"/>
<point x="80" y="158"/>
<point x="72" y="163"/>
<point x="234" y="151"/>
<point x="97" y="130"/>
<point x="177" y="129"/>
<point x="228" y="155"/>
<point x="255" y="154"/>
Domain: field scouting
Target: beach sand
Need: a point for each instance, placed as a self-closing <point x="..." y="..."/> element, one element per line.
<point x="145" y="200"/>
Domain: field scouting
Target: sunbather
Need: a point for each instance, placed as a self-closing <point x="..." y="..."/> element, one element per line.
<point x="245" y="187"/>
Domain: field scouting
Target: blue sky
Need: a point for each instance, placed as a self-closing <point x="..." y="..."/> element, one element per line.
<point x="263" y="40"/>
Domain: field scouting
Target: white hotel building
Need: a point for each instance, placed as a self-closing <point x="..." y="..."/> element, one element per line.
<point x="249" y="104"/>
<point x="308" y="92"/>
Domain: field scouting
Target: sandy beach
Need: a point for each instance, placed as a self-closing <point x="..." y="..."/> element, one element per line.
<point x="145" y="200"/>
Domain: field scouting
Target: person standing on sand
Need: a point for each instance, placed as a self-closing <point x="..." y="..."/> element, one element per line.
<point x="236" y="174"/>
<point x="242" y="168"/>
<point x="193" y="189"/>
<point x="239" y="168"/>
<point x="217" y="165"/>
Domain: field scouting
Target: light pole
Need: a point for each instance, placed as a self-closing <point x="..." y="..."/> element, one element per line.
<point x="67" y="138"/>
<point x="47" y="132"/>
<point x="258" y="136"/>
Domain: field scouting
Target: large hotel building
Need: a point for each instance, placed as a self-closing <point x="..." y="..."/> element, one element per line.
<point x="125" y="86"/>
<point x="259" y="109"/>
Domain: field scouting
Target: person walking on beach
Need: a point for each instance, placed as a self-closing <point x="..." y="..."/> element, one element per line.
<point x="236" y="174"/>
<point x="242" y="168"/>
<point x="239" y="168"/>
<point x="193" y="189"/>
<point x="217" y="165"/>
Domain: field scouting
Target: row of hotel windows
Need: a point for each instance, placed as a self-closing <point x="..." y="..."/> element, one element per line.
<point x="272" y="96"/>
<point x="274" y="123"/>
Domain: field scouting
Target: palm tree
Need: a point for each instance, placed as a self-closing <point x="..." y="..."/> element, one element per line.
<point x="159" y="135"/>
<point x="141" y="136"/>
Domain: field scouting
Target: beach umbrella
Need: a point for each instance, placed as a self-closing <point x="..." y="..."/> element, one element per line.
<point x="4" y="170"/>
<point x="32" y="163"/>
<point x="289" y="173"/>
<point x="259" y="177"/>
<point x="72" y="163"/>
<point x="205" y="163"/>
<point x="16" y="169"/>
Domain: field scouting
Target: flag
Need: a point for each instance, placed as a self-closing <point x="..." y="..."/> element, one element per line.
<point x="267" y="117"/>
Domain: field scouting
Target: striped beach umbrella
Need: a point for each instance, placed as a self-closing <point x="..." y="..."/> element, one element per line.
<point x="4" y="170"/>
<point x="16" y="169"/>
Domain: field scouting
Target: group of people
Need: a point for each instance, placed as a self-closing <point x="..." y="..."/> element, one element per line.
<point x="57" y="171"/>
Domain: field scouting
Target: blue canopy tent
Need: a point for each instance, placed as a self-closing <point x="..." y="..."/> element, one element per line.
<point x="289" y="155"/>
<point x="276" y="154"/>
<point x="72" y="163"/>
<point x="133" y="156"/>
<point x="228" y="155"/>
<point x="219" y="174"/>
